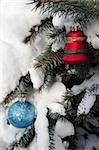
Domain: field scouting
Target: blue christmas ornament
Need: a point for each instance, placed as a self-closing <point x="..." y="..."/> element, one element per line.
<point x="21" y="114"/>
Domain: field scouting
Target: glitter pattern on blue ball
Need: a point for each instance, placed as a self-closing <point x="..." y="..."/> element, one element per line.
<point x="21" y="114"/>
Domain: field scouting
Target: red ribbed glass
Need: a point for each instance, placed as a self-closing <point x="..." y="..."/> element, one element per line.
<point x="74" y="46"/>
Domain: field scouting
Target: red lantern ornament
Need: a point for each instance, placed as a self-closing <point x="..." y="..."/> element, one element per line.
<point x="75" y="49"/>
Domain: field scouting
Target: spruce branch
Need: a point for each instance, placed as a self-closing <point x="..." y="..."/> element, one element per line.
<point x="83" y="11"/>
<point x="49" y="79"/>
<point x="55" y="117"/>
<point x="42" y="2"/>
<point x="35" y="30"/>
<point x="51" y="129"/>
<point x="56" y="34"/>
<point x="51" y="138"/>
<point x="24" y="140"/>
<point x="20" y="91"/>
<point x="12" y="146"/>
<point x="45" y="24"/>
<point x="27" y="137"/>
<point x="92" y="5"/>
<point x="68" y="97"/>
<point x="95" y="109"/>
<point x="29" y="38"/>
<point x="49" y="60"/>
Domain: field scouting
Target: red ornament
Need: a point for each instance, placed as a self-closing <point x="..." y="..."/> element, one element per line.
<point x="75" y="48"/>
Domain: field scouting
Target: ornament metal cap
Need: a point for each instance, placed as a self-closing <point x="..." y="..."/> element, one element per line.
<point x="75" y="27"/>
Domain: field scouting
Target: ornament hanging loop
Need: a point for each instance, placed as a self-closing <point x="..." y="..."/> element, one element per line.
<point x="22" y="97"/>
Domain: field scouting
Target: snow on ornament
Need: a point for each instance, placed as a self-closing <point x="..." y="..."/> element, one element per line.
<point x="21" y="114"/>
<point x="75" y="49"/>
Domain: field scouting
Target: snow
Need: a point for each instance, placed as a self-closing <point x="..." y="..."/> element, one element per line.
<point x="86" y="103"/>
<point x="40" y="43"/>
<point x="91" y="88"/>
<point x="57" y="45"/>
<point x="86" y="143"/>
<point x="14" y="51"/>
<point x="33" y="145"/>
<point x="66" y="144"/>
<point x="51" y="95"/>
<point x="43" y="100"/>
<point x="64" y="129"/>
<point x="93" y="142"/>
<point x="15" y="56"/>
<point x="47" y="99"/>
<point x="37" y="77"/>
<point x="58" y="20"/>
<point x="57" y="108"/>
<point x="7" y="69"/>
<point x="16" y="19"/>
<point x="7" y="132"/>
<point x="41" y="126"/>
<point x="2" y="144"/>
<point x="58" y="143"/>
<point x="92" y="31"/>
